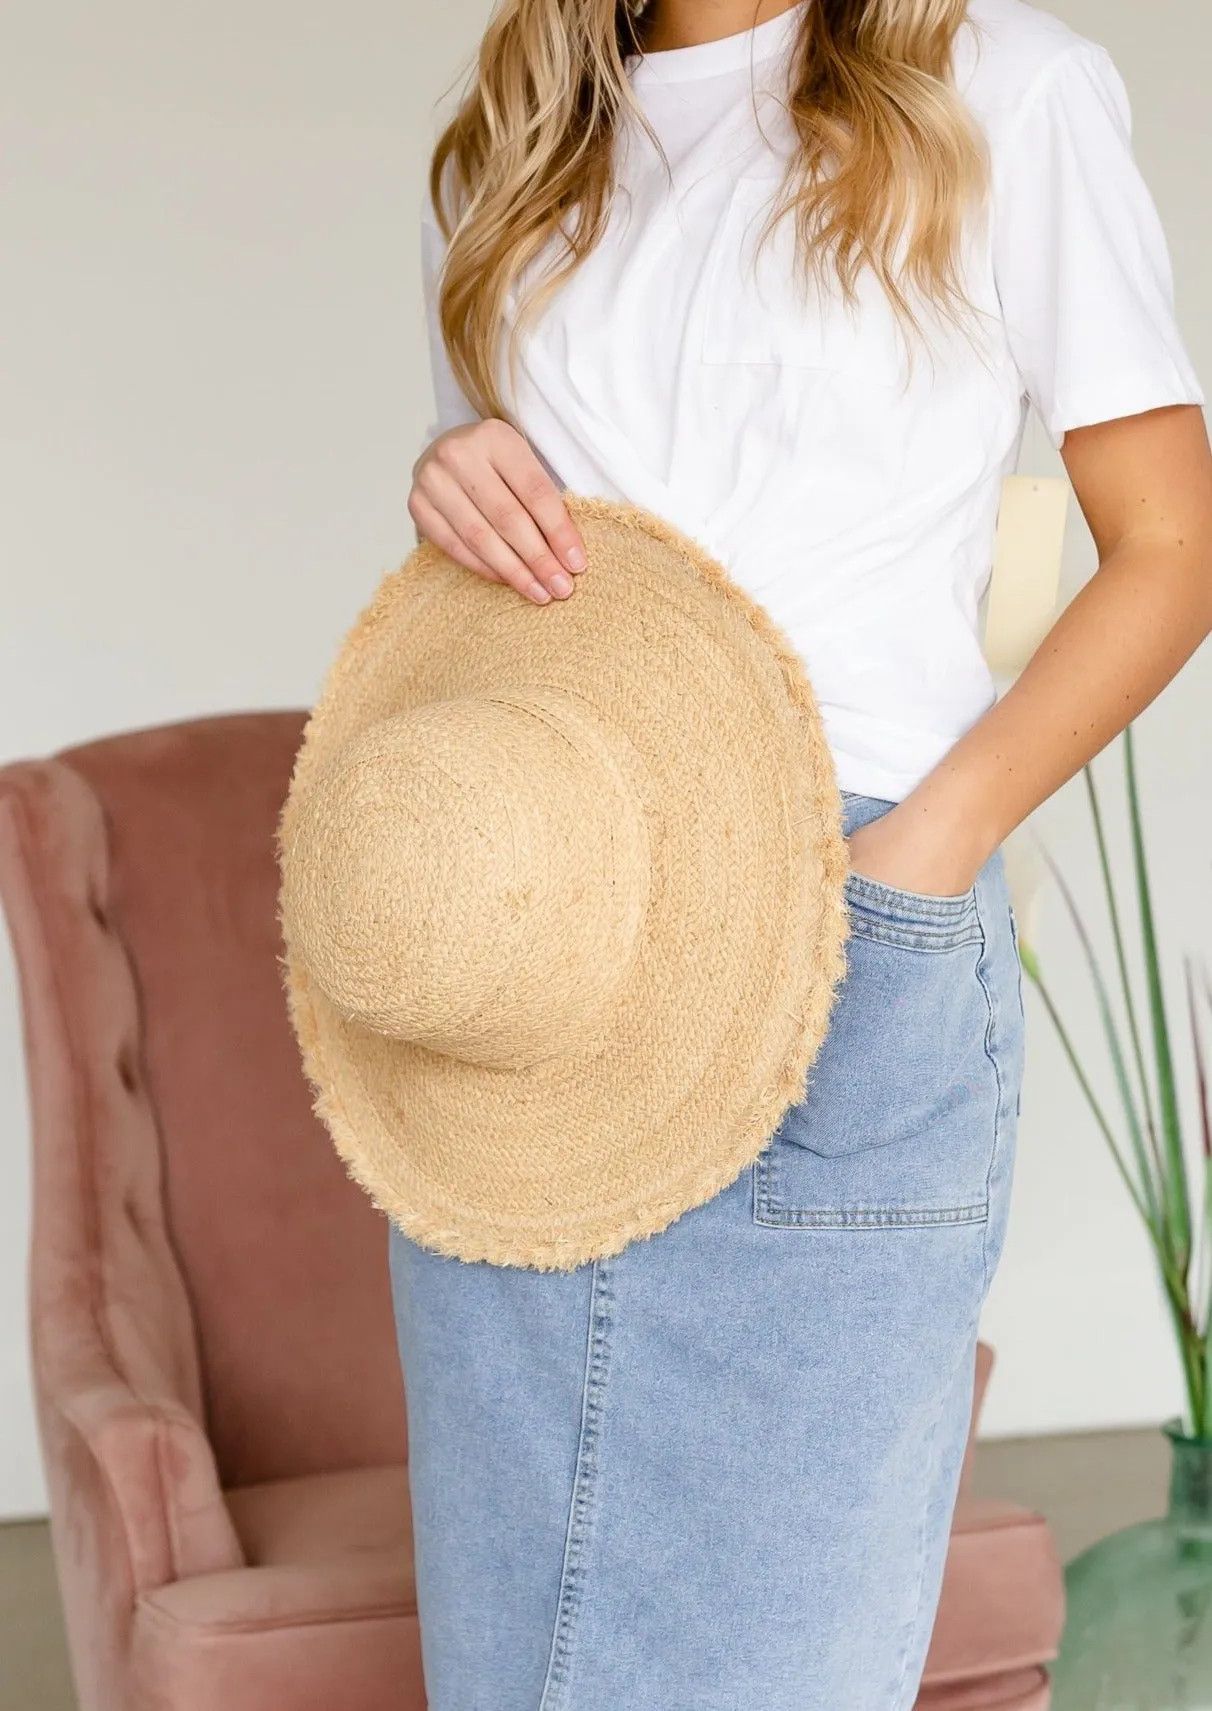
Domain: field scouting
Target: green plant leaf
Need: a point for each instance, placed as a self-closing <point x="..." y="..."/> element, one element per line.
<point x="1032" y="968"/>
<point x="1146" y="1178"/>
<point x="1160" y="1191"/>
<point x="1125" y="983"/>
<point x="1175" y="1189"/>
<point x="1205" y="1122"/>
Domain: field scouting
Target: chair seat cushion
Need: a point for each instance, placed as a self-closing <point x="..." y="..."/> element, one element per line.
<point x="324" y="1614"/>
<point x="328" y="1517"/>
<point x="1022" y="1690"/>
<point x="1002" y="1605"/>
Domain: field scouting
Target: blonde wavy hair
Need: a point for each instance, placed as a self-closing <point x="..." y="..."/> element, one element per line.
<point x="528" y="154"/>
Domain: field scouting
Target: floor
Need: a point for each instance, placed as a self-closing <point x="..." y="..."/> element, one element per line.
<point x="1087" y="1484"/>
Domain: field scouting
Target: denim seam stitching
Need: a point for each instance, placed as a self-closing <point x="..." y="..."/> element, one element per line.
<point x="934" y="910"/>
<point x="775" y="1216"/>
<point x="1020" y="1002"/>
<point x="916" y="937"/>
<point x="772" y="1213"/>
<point x="911" y="1628"/>
<point x="572" y="1574"/>
<point x="911" y="1631"/>
<point x="926" y="905"/>
<point x="1001" y="1091"/>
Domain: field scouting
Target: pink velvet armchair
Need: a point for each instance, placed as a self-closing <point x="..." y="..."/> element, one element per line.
<point x="219" y="1400"/>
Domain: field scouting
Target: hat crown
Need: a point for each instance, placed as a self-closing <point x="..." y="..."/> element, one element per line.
<point x="472" y="876"/>
<point x="562" y="895"/>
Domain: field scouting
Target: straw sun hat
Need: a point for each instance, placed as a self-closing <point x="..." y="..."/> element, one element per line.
<point x="562" y="895"/>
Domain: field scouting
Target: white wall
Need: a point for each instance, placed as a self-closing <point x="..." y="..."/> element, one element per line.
<point x="213" y="391"/>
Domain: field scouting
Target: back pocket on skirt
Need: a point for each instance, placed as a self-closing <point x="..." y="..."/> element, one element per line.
<point x="898" y="1122"/>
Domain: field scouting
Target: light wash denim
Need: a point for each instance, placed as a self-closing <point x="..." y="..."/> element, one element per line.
<point x="717" y="1471"/>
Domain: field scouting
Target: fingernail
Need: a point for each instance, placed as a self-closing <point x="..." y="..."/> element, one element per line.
<point x="561" y="584"/>
<point x="539" y="594"/>
<point x="576" y="559"/>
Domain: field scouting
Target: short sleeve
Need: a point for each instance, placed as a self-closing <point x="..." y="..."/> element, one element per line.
<point x="1081" y="262"/>
<point x="451" y="406"/>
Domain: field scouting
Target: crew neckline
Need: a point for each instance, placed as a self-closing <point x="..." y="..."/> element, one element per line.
<point x="725" y="53"/>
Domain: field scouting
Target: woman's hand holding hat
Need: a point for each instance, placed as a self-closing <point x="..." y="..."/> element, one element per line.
<point x="481" y="494"/>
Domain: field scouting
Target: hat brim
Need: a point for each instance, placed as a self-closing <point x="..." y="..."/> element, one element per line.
<point x="742" y="943"/>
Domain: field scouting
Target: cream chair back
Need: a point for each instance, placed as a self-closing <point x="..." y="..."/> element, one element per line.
<point x="1021" y="606"/>
<point x="1024" y="589"/>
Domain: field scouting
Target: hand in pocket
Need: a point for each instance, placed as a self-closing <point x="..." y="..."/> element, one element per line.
<point x="902" y="850"/>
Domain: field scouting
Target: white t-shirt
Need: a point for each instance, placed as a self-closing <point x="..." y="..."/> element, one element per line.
<point x="857" y="504"/>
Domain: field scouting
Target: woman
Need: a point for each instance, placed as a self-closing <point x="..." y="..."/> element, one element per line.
<point x="717" y="1471"/>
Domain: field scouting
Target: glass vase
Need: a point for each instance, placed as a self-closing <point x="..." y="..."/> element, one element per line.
<point x="1138" y="1628"/>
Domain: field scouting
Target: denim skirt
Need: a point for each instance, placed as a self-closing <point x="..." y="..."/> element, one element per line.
<point x="716" y="1471"/>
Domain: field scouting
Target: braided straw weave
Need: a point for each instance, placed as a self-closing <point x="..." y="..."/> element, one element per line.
<point x="562" y="895"/>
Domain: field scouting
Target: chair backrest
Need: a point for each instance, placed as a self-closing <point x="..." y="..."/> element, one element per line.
<point x="282" y="1256"/>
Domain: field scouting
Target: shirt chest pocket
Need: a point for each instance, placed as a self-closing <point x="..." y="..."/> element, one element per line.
<point x="758" y="311"/>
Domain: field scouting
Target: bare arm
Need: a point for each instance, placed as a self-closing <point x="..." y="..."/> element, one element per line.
<point x="1144" y="484"/>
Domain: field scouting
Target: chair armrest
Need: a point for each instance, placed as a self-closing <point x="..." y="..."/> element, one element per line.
<point x="159" y="1472"/>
